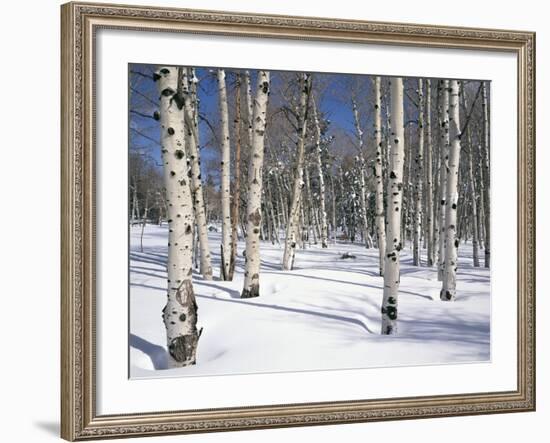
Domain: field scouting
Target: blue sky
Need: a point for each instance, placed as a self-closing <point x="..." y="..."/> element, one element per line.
<point x="333" y="93"/>
<point x="334" y="102"/>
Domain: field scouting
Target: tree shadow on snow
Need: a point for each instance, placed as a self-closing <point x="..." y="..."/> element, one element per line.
<point x="351" y="320"/>
<point x="156" y="353"/>
<point x="145" y="259"/>
<point x="233" y="293"/>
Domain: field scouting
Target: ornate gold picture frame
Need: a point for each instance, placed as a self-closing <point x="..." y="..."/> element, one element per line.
<point x="79" y="417"/>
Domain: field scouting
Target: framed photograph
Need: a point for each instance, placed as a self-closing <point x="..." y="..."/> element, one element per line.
<point x="283" y="221"/>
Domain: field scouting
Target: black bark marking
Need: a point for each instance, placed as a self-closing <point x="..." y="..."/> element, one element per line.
<point x="156" y="115"/>
<point x="255" y="218"/>
<point x="171" y="131"/>
<point x="390" y="311"/>
<point x="167" y="92"/>
<point x="179" y="154"/>
<point x="179" y="101"/>
<point x="392" y="175"/>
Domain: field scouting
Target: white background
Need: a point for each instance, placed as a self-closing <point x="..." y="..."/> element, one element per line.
<point x="29" y="182"/>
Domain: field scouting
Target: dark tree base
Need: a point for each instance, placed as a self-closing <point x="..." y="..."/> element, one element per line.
<point x="254" y="291"/>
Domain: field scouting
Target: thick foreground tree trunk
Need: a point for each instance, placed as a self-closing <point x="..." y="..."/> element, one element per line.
<point x="294" y="215"/>
<point x="379" y="200"/>
<point x="394" y="205"/>
<point x="254" y="203"/>
<point x="225" y="178"/>
<point x="448" y="291"/>
<point x="180" y="312"/>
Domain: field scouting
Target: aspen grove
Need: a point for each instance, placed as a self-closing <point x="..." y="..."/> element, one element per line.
<point x="306" y="212"/>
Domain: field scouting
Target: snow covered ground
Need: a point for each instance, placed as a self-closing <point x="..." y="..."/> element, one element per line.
<point x="325" y="314"/>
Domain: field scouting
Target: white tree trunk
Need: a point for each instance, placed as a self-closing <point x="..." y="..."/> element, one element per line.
<point x="254" y="203"/>
<point x="362" y="181"/>
<point x="429" y="176"/>
<point x="473" y="193"/>
<point x="443" y="167"/>
<point x="394" y="205"/>
<point x="419" y="170"/>
<point x="144" y="219"/>
<point x="180" y="312"/>
<point x="192" y="146"/>
<point x="486" y="176"/>
<point x="321" y="178"/>
<point x="235" y="204"/>
<point x="225" y="178"/>
<point x="379" y="200"/>
<point x="294" y="215"/>
<point x="249" y="107"/>
<point x="448" y="291"/>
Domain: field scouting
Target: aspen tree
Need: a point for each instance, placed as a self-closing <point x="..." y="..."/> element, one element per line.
<point x="321" y="179"/>
<point x="443" y="167"/>
<point x="472" y="187"/>
<point x="379" y="197"/>
<point x="225" y="177"/>
<point x="362" y="181"/>
<point x="180" y="312"/>
<point x="190" y="111"/>
<point x="254" y="202"/>
<point x="237" y="179"/>
<point x="394" y="205"/>
<point x="448" y="291"/>
<point x="429" y="177"/>
<point x="419" y="172"/>
<point x="486" y="175"/>
<point x="294" y="214"/>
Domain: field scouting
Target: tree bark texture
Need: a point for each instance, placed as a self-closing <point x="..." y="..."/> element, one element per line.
<point x="448" y="291"/>
<point x="180" y="313"/>
<point x="292" y="229"/>
<point x="254" y="203"/>
<point x="225" y="177"/>
<point x="394" y="205"/>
